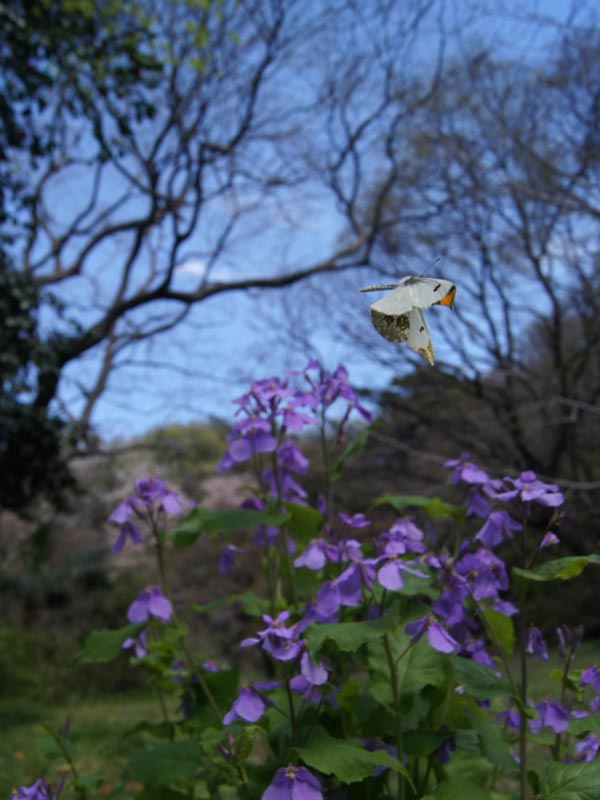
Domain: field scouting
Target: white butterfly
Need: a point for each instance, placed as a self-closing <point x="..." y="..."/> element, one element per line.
<point x="399" y="317"/>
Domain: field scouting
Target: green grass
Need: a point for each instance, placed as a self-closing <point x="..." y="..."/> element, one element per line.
<point x="98" y="730"/>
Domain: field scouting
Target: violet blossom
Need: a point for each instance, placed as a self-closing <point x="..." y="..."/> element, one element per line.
<point x="150" y="603"/>
<point x="250" y="704"/>
<point x="293" y="783"/>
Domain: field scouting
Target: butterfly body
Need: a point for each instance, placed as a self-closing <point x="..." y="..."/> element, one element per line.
<point x="398" y="316"/>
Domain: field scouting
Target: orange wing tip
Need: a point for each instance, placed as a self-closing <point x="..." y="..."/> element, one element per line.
<point x="448" y="298"/>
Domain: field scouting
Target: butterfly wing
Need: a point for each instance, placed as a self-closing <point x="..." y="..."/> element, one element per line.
<point x="395" y="303"/>
<point x="419" y="339"/>
<point x="394" y="327"/>
<point x="399" y="317"/>
<point x="425" y="292"/>
<point x="410" y="327"/>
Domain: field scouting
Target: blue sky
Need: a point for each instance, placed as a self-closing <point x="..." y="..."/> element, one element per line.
<point x="195" y="371"/>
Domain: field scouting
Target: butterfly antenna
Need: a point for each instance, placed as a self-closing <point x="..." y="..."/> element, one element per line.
<point x="439" y="258"/>
<point x="379" y="287"/>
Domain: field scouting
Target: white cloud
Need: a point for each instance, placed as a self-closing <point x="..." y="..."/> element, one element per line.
<point x="197" y="268"/>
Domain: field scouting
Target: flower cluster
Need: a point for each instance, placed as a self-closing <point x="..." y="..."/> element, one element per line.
<point x="273" y="409"/>
<point x="149" y="498"/>
<point x="40" y="790"/>
<point x="363" y="605"/>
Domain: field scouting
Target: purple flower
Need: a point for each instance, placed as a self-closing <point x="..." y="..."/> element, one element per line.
<point x="405" y="532"/>
<point x="467" y="471"/>
<point x="486" y="572"/>
<point x="591" y="676"/>
<point x="528" y="489"/>
<point x="373" y="745"/>
<point x="140" y="644"/>
<point x="498" y="526"/>
<point x="348" y="550"/>
<point x="536" y="646"/>
<point x="548" y="540"/>
<point x="390" y="574"/>
<point x="284" y="485"/>
<point x="438" y="637"/>
<point x="290" y="457"/>
<point x="278" y="640"/>
<point x="293" y="783"/>
<point x="476" y="504"/>
<point x="355" y="521"/>
<point x="40" y="790"/>
<point x="127" y="531"/>
<point x="250" y="704"/>
<point x="296" y="421"/>
<point x="587" y="748"/>
<point x="316" y="555"/>
<point x="512" y="717"/>
<point x="551" y="715"/>
<point x="254" y="441"/>
<point x="327" y="602"/>
<point x="444" y="750"/>
<point x="148" y="493"/>
<point x="315" y="674"/>
<point x="150" y="602"/>
<point x="227" y="558"/>
<point x="312" y="694"/>
<point x="350" y="582"/>
<point x="569" y="638"/>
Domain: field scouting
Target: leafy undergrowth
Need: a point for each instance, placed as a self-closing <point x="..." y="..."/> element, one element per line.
<point x="101" y="729"/>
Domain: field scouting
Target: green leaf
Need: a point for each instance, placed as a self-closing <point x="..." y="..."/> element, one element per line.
<point x="422" y="666"/>
<point x="431" y="506"/>
<point x="458" y="789"/>
<point x="349" y="636"/>
<point x="560" y="569"/>
<point x="303" y="521"/>
<point x="478" y="679"/>
<point x="207" y="520"/>
<point x="206" y="608"/>
<point x="346" y="759"/>
<point x="253" y="604"/>
<point x="423" y="743"/>
<point x="492" y="742"/>
<point x="166" y="764"/>
<point x="354" y="448"/>
<point x="502" y="628"/>
<point x="106" y="645"/>
<point x="585" y="725"/>
<point x="572" y="782"/>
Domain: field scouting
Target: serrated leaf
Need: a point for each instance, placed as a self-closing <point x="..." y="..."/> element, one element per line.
<point x="572" y="782"/>
<point x="560" y="569"/>
<point x="431" y="506"/>
<point x="354" y="448"/>
<point x="207" y="520"/>
<point x="166" y="764"/>
<point x="349" y="636"/>
<point x="106" y="645"/>
<point x="346" y="759"/>
<point x="478" y="679"/>
<point x="503" y="629"/>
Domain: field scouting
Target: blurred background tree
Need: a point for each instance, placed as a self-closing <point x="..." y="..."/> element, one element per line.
<point x="157" y="157"/>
